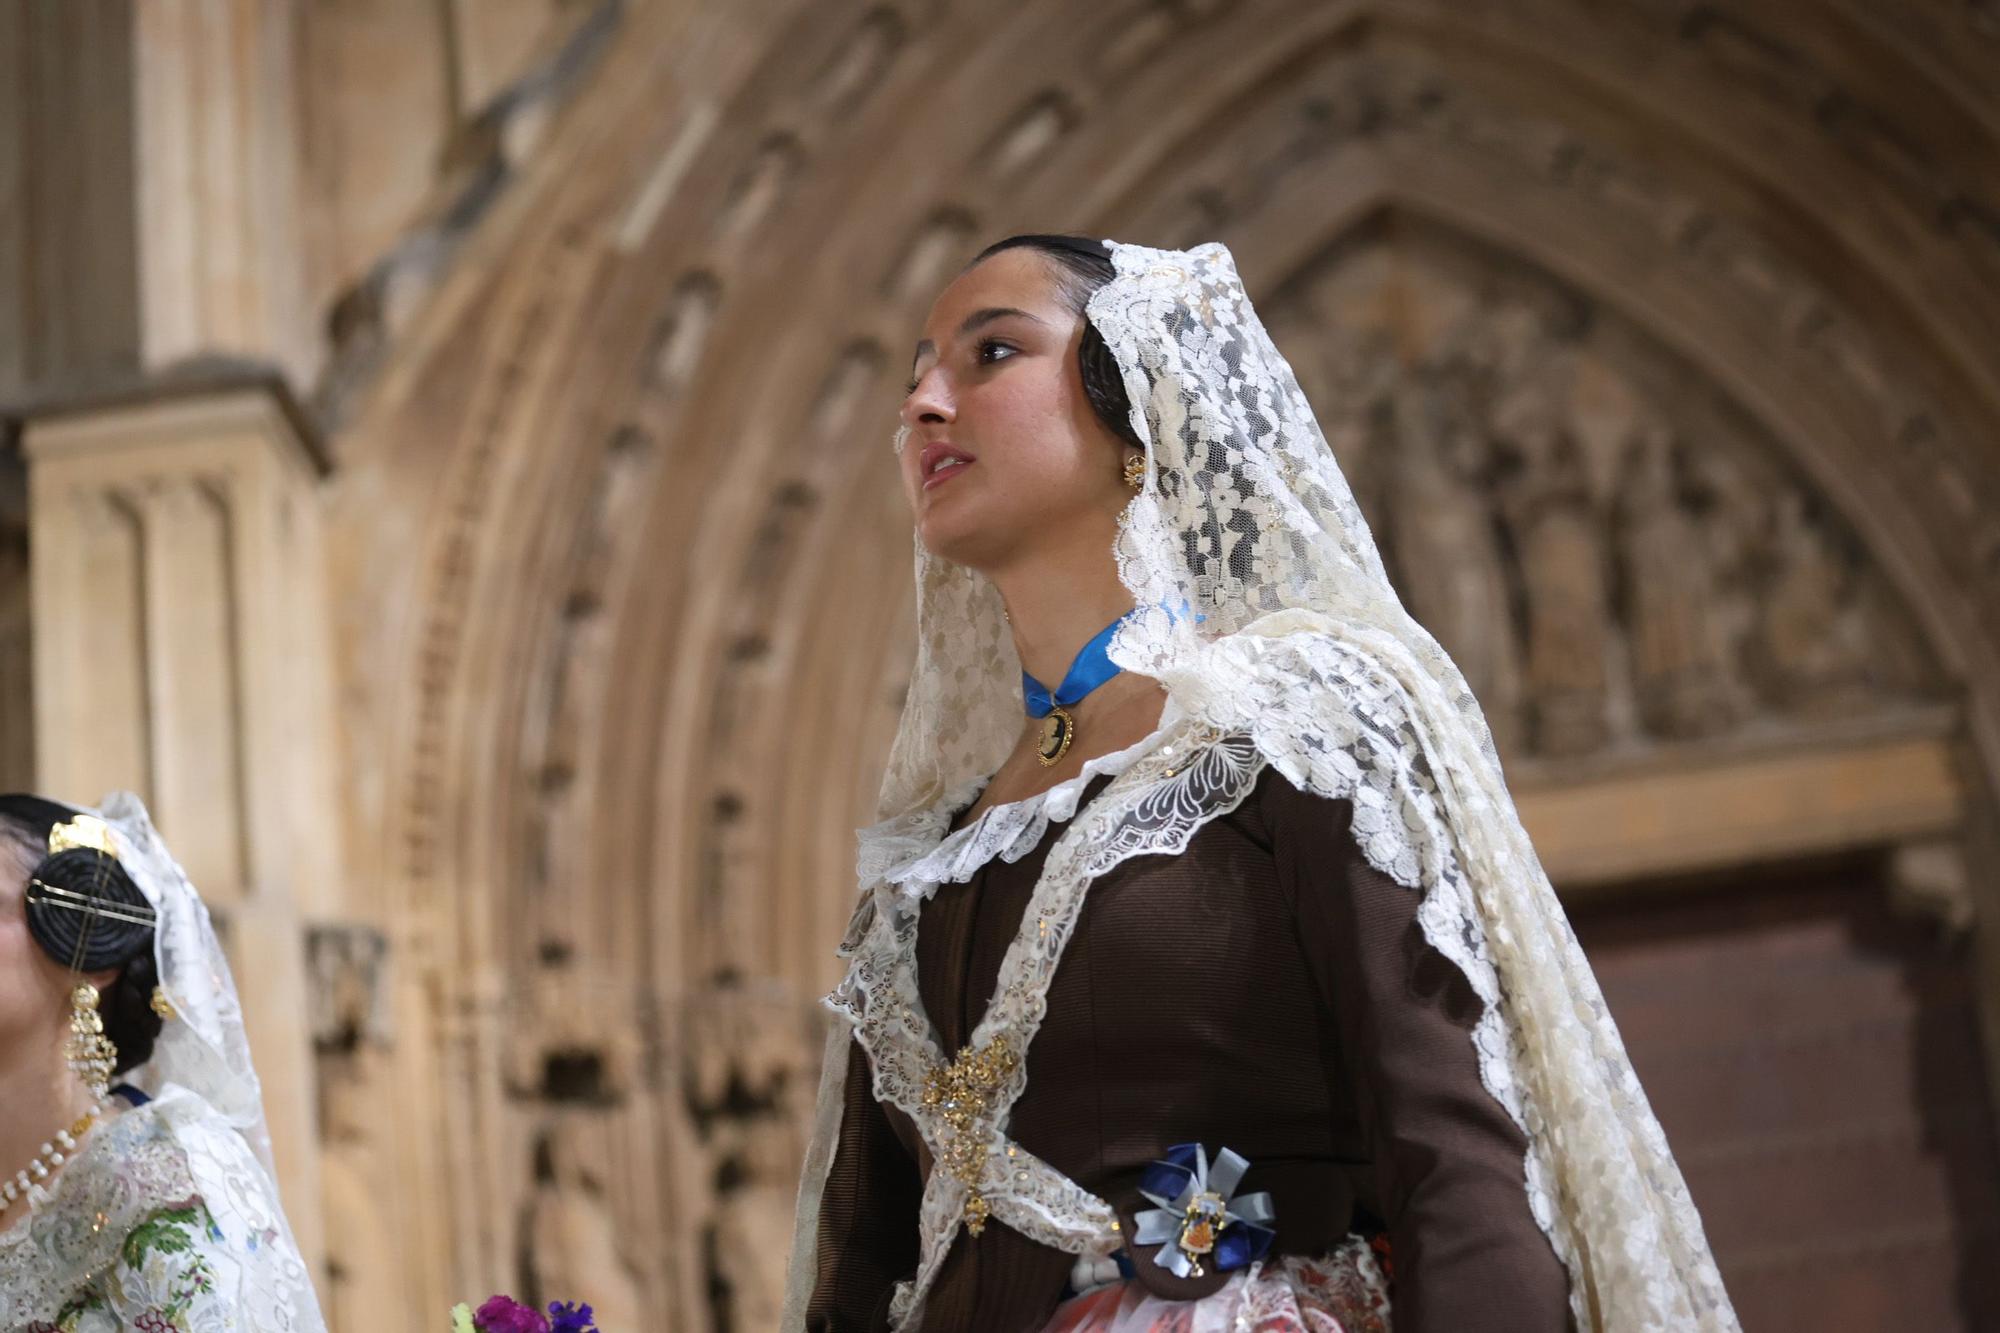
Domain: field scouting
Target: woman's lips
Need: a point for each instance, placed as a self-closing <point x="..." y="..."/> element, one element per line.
<point x="945" y="473"/>
<point x="940" y="461"/>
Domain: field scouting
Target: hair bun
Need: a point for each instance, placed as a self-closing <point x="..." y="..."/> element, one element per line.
<point x="72" y="934"/>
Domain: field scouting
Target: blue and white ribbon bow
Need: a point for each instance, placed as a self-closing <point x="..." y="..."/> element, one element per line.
<point x="1199" y="1215"/>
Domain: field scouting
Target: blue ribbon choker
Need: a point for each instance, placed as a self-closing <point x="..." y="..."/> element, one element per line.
<point x="1092" y="667"/>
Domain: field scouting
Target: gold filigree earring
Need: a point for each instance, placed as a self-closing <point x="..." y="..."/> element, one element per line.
<point x="90" y="1053"/>
<point x="1135" y="471"/>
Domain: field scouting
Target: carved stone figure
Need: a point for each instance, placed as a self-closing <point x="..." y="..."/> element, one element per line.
<point x="1560" y="546"/>
<point x="1809" y="650"/>
<point x="571" y="1240"/>
<point x="1679" y="661"/>
<point x="1445" y="546"/>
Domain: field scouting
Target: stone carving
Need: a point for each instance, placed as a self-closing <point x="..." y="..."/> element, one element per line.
<point x="1807" y="644"/>
<point x="1411" y="106"/>
<point x="749" y="1087"/>
<point x="1609" y="562"/>
<point x="348" y="967"/>
<point x="1681" y="672"/>
<point x="349" y="994"/>
<point x="762" y="185"/>
<point x="571" y="1244"/>
<point x="842" y="390"/>
<point x="1446" y="544"/>
<point x="572" y="1038"/>
<point x="682" y="332"/>
<point x="1135" y="34"/>
<point x="1562" y="561"/>
<point x="1033" y="131"/>
<point x="944" y="239"/>
<point x="861" y="61"/>
<point x="753" y="1219"/>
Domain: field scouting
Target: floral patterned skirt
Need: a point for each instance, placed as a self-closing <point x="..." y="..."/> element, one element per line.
<point x="1343" y="1292"/>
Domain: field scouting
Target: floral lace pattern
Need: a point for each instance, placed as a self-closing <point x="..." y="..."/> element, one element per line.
<point x="1301" y="656"/>
<point x="163" y="1222"/>
<point x="205" y="1049"/>
<point x="909" y="853"/>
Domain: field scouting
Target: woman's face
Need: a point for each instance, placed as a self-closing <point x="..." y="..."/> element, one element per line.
<point x="1004" y="450"/>
<point x="34" y="988"/>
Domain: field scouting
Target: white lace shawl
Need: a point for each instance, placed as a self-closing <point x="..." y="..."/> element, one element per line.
<point x="165" y="1212"/>
<point x="1301" y="657"/>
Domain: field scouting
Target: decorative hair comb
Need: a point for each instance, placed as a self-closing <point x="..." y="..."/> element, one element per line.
<point x="87" y="832"/>
<point x="83" y="831"/>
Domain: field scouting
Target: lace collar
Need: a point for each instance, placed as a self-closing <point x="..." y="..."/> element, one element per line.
<point x="916" y="853"/>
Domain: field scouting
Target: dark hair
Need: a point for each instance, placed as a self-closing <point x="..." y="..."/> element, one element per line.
<point x="85" y="941"/>
<point x="1082" y="265"/>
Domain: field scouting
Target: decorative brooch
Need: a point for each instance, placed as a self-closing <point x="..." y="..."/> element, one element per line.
<point x="962" y="1092"/>
<point x="1200" y="1215"/>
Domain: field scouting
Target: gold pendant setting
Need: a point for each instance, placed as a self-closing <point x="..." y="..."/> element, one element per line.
<point x="1058" y="730"/>
<point x="1206" y="1214"/>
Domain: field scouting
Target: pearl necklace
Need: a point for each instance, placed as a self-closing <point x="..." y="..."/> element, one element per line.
<point x="53" y="1154"/>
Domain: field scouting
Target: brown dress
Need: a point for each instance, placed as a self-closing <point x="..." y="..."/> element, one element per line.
<point x="1266" y="990"/>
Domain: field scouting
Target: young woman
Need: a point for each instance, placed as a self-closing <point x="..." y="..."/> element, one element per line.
<point x="138" y="1191"/>
<point x="1203" y="976"/>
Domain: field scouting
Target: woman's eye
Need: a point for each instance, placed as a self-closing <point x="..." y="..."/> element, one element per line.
<point x="991" y="350"/>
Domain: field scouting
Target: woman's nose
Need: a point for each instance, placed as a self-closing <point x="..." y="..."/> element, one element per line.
<point x="929" y="401"/>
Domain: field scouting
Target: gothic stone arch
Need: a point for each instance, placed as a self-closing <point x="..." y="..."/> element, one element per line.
<point x="622" y="574"/>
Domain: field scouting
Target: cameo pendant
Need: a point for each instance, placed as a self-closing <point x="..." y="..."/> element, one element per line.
<point x="1058" y="730"/>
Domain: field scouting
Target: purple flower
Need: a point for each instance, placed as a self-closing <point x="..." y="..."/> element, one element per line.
<point x="571" y="1317"/>
<point x="501" y="1315"/>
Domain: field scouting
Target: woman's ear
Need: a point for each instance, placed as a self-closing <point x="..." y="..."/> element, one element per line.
<point x="102" y="979"/>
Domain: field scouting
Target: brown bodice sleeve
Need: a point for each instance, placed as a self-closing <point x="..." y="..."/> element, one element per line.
<point x="867" y="1216"/>
<point x="1447" y="1159"/>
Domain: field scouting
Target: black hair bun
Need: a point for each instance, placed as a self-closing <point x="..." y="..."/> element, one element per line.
<point x="86" y="940"/>
<point x="92" y="941"/>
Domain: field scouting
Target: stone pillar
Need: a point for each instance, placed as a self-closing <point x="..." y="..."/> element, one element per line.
<point x="221" y="240"/>
<point x="179" y="630"/>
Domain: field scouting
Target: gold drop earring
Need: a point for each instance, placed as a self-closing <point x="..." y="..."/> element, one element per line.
<point x="1135" y="471"/>
<point x="90" y="1053"/>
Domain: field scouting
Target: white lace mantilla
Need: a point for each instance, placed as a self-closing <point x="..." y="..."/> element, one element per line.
<point x="164" y="1220"/>
<point x="1298" y="655"/>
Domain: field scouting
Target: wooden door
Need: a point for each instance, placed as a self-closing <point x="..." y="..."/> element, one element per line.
<point x="1815" y="1061"/>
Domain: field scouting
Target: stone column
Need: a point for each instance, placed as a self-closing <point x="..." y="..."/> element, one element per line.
<point x="221" y="239"/>
<point x="179" y="630"/>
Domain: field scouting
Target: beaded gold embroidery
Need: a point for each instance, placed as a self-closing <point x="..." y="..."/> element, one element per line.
<point x="961" y="1092"/>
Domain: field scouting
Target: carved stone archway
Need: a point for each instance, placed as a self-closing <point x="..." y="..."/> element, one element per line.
<point x="621" y="576"/>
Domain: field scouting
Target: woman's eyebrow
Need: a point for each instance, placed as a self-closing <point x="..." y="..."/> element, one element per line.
<point x="976" y="320"/>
